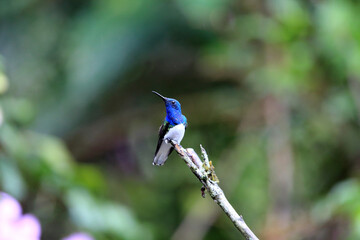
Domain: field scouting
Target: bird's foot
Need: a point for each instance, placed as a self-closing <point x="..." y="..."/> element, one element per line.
<point x="168" y="140"/>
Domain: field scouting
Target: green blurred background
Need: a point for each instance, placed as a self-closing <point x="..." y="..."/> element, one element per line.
<point x="270" y="88"/>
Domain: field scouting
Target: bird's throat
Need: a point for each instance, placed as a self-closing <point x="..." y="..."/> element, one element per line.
<point x="174" y="118"/>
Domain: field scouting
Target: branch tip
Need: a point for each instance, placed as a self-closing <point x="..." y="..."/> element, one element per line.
<point x="205" y="156"/>
<point x="203" y="191"/>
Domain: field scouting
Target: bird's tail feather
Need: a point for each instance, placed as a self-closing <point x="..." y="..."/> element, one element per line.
<point x="162" y="155"/>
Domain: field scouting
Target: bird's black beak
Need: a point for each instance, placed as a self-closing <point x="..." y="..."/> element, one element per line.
<point x="162" y="97"/>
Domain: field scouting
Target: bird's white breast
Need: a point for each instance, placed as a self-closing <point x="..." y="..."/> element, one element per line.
<point x="176" y="133"/>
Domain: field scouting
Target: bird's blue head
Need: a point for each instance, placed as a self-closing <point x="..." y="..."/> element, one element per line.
<point x="173" y="110"/>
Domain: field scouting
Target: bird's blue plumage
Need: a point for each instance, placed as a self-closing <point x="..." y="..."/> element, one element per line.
<point x="173" y="112"/>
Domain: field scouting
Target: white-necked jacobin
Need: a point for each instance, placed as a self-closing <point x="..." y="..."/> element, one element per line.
<point x="173" y="128"/>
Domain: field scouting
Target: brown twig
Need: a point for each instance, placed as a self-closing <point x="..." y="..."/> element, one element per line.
<point x="206" y="175"/>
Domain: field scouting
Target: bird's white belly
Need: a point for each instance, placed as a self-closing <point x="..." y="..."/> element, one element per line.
<point x="176" y="133"/>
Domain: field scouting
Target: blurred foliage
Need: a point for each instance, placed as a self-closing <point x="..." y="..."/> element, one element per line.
<point x="342" y="200"/>
<point x="270" y="88"/>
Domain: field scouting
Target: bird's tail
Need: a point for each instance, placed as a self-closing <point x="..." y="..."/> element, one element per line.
<point x="162" y="155"/>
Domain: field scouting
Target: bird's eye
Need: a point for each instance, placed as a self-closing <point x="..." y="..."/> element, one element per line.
<point x="173" y="102"/>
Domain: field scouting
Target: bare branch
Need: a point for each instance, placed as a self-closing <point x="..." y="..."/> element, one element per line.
<point x="206" y="175"/>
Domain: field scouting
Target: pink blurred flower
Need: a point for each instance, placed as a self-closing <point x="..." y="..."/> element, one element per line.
<point x="14" y="225"/>
<point x="79" y="236"/>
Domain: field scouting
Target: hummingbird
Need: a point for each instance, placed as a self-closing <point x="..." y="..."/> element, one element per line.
<point x="173" y="128"/>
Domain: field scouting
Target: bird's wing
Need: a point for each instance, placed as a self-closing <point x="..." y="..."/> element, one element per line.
<point x="162" y="131"/>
